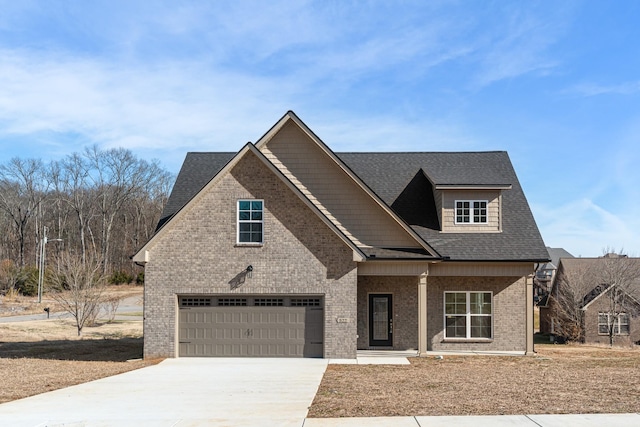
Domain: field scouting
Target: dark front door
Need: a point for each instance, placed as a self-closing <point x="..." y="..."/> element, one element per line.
<point x="380" y="320"/>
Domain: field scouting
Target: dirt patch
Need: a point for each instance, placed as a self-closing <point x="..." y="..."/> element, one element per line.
<point x="40" y="356"/>
<point x="559" y="380"/>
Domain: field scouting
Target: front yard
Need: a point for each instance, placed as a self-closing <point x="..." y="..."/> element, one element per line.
<point x="41" y="356"/>
<point x="44" y="355"/>
<point x="560" y="379"/>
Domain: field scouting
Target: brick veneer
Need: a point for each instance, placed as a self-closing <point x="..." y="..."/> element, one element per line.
<point x="603" y="305"/>
<point x="197" y="254"/>
<point x="405" y="309"/>
<point x="509" y="318"/>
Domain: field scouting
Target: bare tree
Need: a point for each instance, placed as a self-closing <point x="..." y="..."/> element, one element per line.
<point x="91" y="200"/>
<point x="23" y="186"/>
<point x="575" y="280"/>
<point x="119" y="178"/>
<point x="79" y="288"/>
<point x="619" y="278"/>
<point x="75" y="191"/>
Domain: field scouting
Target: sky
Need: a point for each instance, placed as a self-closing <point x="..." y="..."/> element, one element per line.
<point x="554" y="83"/>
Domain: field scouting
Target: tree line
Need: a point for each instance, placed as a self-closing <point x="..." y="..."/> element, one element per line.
<point x="97" y="205"/>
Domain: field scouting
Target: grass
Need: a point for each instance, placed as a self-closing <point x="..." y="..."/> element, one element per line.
<point x="560" y="379"/>
<point x="45" y="355"/>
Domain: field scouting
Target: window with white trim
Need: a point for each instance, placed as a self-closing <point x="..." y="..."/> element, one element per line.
<point x="620" y="324"/>
<point x="251" y="221"/>
<point x="471" y="212"/>
<point x="468" y="315"/>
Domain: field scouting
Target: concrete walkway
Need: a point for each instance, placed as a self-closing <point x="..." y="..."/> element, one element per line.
<point x="181" y="392"/>
<point x="234" y="392"/>
<point x="590" y="420"/>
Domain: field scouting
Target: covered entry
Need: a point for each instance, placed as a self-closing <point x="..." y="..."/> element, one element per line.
<point x="246" y="326"/>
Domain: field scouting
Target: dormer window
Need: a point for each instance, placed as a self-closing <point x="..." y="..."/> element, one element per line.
<point x="471" y="212"/>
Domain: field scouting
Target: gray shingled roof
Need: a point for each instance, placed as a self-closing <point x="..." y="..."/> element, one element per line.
<point x="400" y="180"/>
<point x="389" y="173"/>
<point x="196" y="171"/>
<point x="556" y="253"/>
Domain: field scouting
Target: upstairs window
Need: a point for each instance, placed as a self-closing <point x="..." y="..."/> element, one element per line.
<point x="251" y="221"/>
<point x="471" y="212"/>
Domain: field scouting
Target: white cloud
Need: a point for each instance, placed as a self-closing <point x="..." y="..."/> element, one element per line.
<point x="520" y="44"/>
<point x="593" y="89"/>
<point x="584" y="228"/>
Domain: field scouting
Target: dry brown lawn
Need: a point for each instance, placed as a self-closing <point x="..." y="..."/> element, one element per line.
<point x="45" y="355"/>
<point x="560" y="379"/>
<point x="14" y="304"/>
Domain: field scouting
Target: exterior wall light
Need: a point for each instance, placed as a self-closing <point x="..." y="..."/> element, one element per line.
<point x="249" y="271"/>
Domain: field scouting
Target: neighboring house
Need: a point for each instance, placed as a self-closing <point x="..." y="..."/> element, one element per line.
<point x="594" y="300"/>
<point x="545" y="273"/>
<point x="286" y="248"/>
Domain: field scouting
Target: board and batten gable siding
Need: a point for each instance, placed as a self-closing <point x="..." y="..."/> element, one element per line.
<point x="448" y="208"/>
<point x="332" y="190"/>
<point x="197" y="254"/>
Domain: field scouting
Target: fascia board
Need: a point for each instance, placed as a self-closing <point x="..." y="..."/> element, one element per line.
<point x="607" y="291"/>
<point x="274" y="129"/>
<point x="473" y="187"/>
<point x="358" y="255"/>
<point x="290" y="115"/>
<point x="142" y="255"/>
<point x="597" y="297"/>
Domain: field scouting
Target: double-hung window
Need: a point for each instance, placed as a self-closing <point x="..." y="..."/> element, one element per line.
<point x="251" y="221"/>
<point x="468" y="315"/>
<point x="471" y="212"/>
<point x="620" y="324"/>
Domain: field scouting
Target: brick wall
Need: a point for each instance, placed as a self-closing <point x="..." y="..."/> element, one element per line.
<point x="404" y="309"/>
<point x="198" y="254"/>
<point x="509" y="312"/>
<point x="591" y="335"/>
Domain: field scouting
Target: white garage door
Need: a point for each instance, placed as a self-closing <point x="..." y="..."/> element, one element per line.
<point x="259" y="326"/>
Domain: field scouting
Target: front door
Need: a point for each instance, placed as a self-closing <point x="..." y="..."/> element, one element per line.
<point x="380" y="320"/>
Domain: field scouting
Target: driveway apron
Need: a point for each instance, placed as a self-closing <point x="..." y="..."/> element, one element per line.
<point x="181" y="392"/>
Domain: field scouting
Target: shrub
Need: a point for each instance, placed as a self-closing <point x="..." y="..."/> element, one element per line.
<point x="27" y="281"/>
<point x="8" y="275"/>
<point x="120" y="277"/>
<point x="140" y="278"/>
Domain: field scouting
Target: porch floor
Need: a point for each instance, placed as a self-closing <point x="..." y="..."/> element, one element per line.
<point x="392" y="357"/>
<point x="377" y="357"/>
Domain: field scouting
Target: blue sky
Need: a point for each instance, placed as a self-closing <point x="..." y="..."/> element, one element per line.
<point x="554" y="83"/>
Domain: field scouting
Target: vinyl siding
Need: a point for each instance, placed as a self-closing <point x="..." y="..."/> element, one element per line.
<point x="493" y="211"/>
<point x="333" y="191"/>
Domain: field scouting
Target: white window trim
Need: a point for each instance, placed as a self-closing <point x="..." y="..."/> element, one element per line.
<point x="471" y="202"/>
<point x="467" y="315"/>
<point x="238" y="242"/>
<point x="617" y="324"/>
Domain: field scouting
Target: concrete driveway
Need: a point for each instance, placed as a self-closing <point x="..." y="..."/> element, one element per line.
<point x="181" y="392"/>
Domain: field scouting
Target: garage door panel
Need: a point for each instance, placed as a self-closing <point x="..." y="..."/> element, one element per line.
<point x="262" y="331"/>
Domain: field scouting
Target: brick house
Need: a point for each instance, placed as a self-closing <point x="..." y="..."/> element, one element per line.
<point x="286" y="249"/>
<point x="595" y="303"/>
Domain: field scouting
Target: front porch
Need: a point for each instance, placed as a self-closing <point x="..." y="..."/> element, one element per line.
<point x="406" y="312"/>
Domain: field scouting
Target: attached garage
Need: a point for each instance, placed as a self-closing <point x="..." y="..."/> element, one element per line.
<point x="250" y="326"/>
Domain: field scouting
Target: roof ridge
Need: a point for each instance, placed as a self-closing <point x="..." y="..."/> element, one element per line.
<point x="422" y="152"/>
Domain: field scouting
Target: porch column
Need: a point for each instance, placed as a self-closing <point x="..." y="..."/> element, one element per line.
<point x="529" y="289"/>
<point x="422" y="314"/>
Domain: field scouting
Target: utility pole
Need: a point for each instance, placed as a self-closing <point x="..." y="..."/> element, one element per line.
<point x="43" y="252"/>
